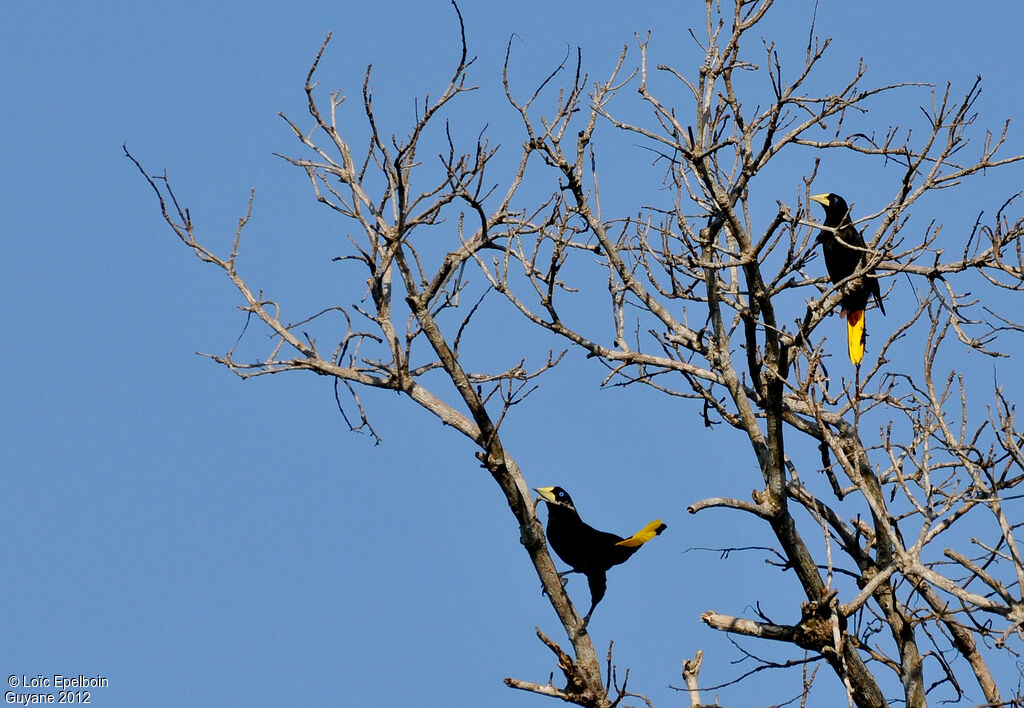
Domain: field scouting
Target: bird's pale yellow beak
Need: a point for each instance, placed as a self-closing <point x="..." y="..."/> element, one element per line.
<point x="546" y="493"/>
<point x="821" y="199"/>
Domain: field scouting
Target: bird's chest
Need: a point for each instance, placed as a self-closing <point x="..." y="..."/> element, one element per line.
<point x="840" y="261"/>
<point x="566" y="538"/>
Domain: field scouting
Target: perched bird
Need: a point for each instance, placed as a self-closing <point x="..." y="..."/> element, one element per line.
<point x="585" y="549"/>
<point x="845" y="254"/>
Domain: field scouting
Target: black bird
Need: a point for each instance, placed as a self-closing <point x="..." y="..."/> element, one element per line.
<point x="585" y="549"/>
<point x="845" y="254"/>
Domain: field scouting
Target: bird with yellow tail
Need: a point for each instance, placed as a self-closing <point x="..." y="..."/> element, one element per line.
<point x="585" y="549"/>
<point x="845" y="254"/>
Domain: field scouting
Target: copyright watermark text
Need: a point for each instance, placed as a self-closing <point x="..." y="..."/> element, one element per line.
<point x="53" y="688"/>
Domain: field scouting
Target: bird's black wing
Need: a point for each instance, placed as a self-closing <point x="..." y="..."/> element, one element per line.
<point x="871" y="281"/>
<point x="873" y="287"/>
<point x="846" y="259"/>
<point x="599" y="550"/>
<point x="850" y="236"/>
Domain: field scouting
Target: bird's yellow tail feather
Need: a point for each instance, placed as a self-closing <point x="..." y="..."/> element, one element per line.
<point x="855" y="335"/>
<point x="643" y="535"/>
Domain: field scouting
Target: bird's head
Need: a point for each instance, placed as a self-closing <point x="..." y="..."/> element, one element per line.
<point x="555" y="496"/>
<point x="835" y="207"/>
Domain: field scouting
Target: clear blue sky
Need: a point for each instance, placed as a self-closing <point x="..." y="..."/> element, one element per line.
<point x="201" y="540"/>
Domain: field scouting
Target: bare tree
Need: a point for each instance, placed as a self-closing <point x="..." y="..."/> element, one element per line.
<point x="895" y="583"/>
